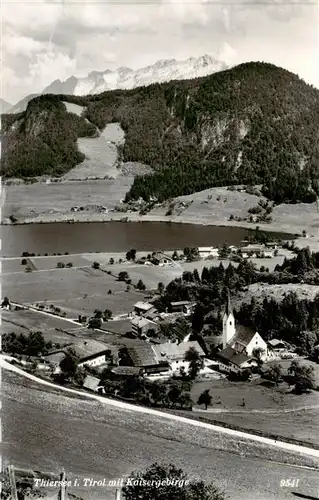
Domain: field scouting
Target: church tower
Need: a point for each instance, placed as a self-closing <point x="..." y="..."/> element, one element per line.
<point x="229" y="329"/>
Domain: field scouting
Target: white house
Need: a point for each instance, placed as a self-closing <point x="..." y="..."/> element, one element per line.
<point x="174" y="354"/>
<point x="205" y="252"/>
<point x="141" y="325"/>
<point x="141" y="308"/>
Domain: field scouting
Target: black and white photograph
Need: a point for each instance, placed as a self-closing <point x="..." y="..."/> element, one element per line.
<point x="159" y="198"/>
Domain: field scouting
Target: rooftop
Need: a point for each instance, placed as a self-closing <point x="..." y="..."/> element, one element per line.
<point x="229" y="354"/>
<point x="141" y="321"/>
<point x="243" y="335"/>
<point x="91" y="382"/>
<point x="90" y="347"/>
<point x="142" y="355"/>
<point x="171" y="350"/>
<point x="145" y="306"/>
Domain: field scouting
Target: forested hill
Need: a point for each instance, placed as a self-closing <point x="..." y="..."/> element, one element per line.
<point x="253" y="124"/>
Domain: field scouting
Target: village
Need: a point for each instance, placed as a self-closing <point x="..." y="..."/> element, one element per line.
<point x="155" y="350"/>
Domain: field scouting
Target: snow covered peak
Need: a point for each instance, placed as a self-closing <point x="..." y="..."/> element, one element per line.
<point x="163" y="70"/>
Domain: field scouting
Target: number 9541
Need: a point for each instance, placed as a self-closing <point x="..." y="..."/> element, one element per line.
<point x="289" y="483"/>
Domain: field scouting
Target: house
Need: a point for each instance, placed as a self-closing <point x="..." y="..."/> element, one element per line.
<point x="231" y="360"/>
<point x="126" y="371"/>
<point x="183" y="306"/>
<point x="92" y="353"/>
<point x="93" y="384"/>
<point x="278" y="348"/>
<point x="141" y="308"/>
<point x="174" y="353"/>
<point x="205" y="252"/>
<point x="141" y="325"/>
<point x="161" y="359"/>
<point x="161" y="259"/>
<point x="143" y="357"/>
<point x="253" y="249"/>
<point x="268" y="254"/>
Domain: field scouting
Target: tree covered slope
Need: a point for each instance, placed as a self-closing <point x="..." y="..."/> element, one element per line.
<point x="253" y="124"/>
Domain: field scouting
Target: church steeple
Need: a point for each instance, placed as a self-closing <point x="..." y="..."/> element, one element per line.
<point x="229" y="309"/>
<point x="229" y="329"/>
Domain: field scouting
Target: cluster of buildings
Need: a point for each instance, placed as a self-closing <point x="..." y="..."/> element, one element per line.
<point x="153" y="357"/>
<point x="267" y="250"/>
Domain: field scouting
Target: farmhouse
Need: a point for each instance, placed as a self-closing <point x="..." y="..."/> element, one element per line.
<point x="141" y="308"/>
<point x="205" y="252"/>
<point x="92" y="353"/>
<point x="183" y="306"/>
<point x="141" y="325"/>
<point x="174" y="354"/>
<point x="143" y="357"/>
<point x="231" y="360"/>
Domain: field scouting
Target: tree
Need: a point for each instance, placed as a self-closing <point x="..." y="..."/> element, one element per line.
<point x="98" y="314"/>
<point x="131" y="254"/>
<point x="24" y="262"/>
<point x="60" y="265"/>
<point x="205" y="399"/>
<point x="175" y="255"/>
<point x="185" y="400"/>
<point x="167" y="482"/>
<point x="69" y="264"/>
<point x="158" y="392"/>
<point x="5" y="302"/>
<point x="258" y="354"/>
<point x="96" y="265"/>
<point x="140" y="285"/>
<point x="174" y="394"/>
<point x="160" y="288"/>
<point x="303" y="377"/>
<point x="111" y="261"/>
<point x="307" y="340"/>
<point x="107" y="314"/>
<point x="69" y="363"/>
<point x="196" y="362"/>
<point x="95" y="323"/>
<point x="123" y="276"/>
<point x="274" y="373"/>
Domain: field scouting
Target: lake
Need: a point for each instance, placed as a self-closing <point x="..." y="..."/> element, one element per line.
<point x="115" y="237"/>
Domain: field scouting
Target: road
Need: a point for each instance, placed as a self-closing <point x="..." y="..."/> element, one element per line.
<point x="48" y="429"/>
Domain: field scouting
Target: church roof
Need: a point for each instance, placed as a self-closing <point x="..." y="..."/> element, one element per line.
<point x="243" y="335"/>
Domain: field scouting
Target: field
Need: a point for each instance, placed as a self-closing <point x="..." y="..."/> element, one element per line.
<point x="75" y="290"/>
<point x="118" y="442"/>
<point x="270" y="409"/>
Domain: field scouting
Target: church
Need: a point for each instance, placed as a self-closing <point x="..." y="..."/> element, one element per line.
<point x="239" y="344"/>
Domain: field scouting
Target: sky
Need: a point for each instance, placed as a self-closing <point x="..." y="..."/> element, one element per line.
<point x="42" y="41"/>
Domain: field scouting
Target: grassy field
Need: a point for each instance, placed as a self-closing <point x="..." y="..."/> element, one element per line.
<point x="266" y="408"/>
<point x="117" y="442"/>
<point x="76" y="290"/>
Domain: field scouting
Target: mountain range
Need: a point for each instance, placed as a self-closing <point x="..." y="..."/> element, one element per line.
<point x="255" y="123"/>
<point x="126" y="78"/>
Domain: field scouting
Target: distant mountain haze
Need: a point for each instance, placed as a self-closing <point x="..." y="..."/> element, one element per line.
<point x="97" y="82"/>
